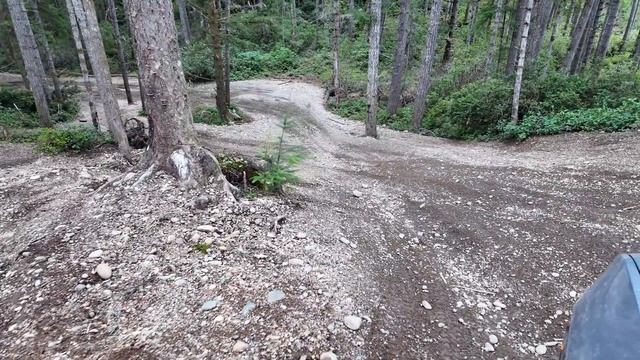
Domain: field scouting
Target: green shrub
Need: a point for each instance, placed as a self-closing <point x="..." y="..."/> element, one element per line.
<point x="248" y="64"/>
<point x="596" y="119"/>
<point x="207" y="115"/>
<point x="11" y="118"/>
<point x="197" y="62"/>
<point x="22" y="99"/>
<point x="355" y="109"/>
<point x="75" y="138"/>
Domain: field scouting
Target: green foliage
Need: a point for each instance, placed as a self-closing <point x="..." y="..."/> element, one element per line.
<point x="74" y="139"/>
<point x="201" y="247"/>
<point x="281" y="164"/>
<point x="207" y="115"/>
<point x="595" y="119"/>
<point x="197" y="62"/>
<point x="248" y="64"/>
<point x="11" y="97"/>
<point x="12" y="118"/>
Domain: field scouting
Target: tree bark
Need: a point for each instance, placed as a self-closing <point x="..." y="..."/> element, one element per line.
<point x="227" y="57"/>
<point x="173" y="145"/>
<point x="399" y="58"/>
<point x="577" y="36"/>
<point x="590" y="35"/>
<point x="351" y="8"/>
<point x="122" y="61"/>
<point x="572" y="13"/>
<point x="630" y="23"/>
<point x="30" y="58"/>
<point x="46" y="50"/>
<point x="521" y="57"/>
<point x="472" y="9"/>
<point x="516" y="37"/>
<point x="293" y="22"/>
<point x="90" y="31"/>
<point x="216" y="40"/>
<point x="607" y="31"/>
<point x="83" y="64"/>
<point x="540" y="18"/>
<point x="335" y="49"/>
<point x="489" y="67"/>
<point x="554" y="33"/>
<point x="372" y="70"/>
<point x="636" y="52"/>
<point x="424" y="78"/>
<point x="447" y="56"/>
<point x="184" y="22"/>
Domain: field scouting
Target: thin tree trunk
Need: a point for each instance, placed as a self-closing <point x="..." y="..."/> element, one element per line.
<point x="335" y="49"/>
<point x="83" y="64"/>
<point x="46" y="50"/>
<point x="372" y="70"/>
<point x="587" y="48"/>
<point x="30" y="58"/>
<point x="424" y="78"/>
<point x="516" y="37"/>
<point x="505" y="29"/>
<point x="630" y="23"/>
<point x="578" y="34"/>
<point x="122" y="61"/>
<point x="293" y="22"/>
<point x="489" y="68"/>
<point x="472" y="9"/>
<point x="572" y="13"/>
<point x="216" y="39"/>
<point x="552" y="39"/>
<point x="447" y="56"/>
<point x="184" y="22"/>
<point x="607" y="31"/>
<point x="636" y="52"/>
<point x="351" y="28"/>
<point x="173" y="143"/>
<point x="90" y="31"/>
<point x="399" y="58"/>
<point x="521" y="57"/>
<point x="227" y="56"/>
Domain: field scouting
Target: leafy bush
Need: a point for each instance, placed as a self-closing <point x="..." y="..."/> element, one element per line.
<point x="75" y="138"/>
<point x="11" y="118"/>
<point x="197" y="62"/>
<point x="250" y="64"/>
<point x="22" y="99"/>
<point x="207" y="115"/>
<point x="595" y="119"/>
<point x="355" y="109"/>
<point x="281" y="164"/>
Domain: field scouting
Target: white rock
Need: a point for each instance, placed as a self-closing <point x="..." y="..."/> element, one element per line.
<point x="328" y="356"/>
<point x="499" y="304"/>
<point x="103" y="270"/>
<point x="240" y="347"/>
<point x="274" y="296"/>
<point x="301" y="235"/>
<point x="353" y="322"/>
<point x="296" y="262"/>
<point x="35" y="177"/>
<point x="541" y="349"/>
<point x="425" y="304"/>
<point x="95" y="254"/>
<point x="488" y="347"/>
<point x="573" y="293"/>
<point x="357" y="193"/>
<point x="493" y="339"/>
<point x="206" y="228"/>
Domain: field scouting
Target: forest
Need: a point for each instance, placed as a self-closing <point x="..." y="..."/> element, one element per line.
<point x="311" y="179"/>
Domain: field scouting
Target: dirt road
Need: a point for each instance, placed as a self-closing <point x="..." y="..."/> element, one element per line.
<point x="439" y="244"/>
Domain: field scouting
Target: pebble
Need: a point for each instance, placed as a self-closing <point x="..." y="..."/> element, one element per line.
<point x="357" y="193"/>
<point x="103" y="270"/>
<point x="499" y="304"/>
<point x="488" y="347"/>
<point x="573" y="293"/>
<point x="301" y="235"/>
<point x="211" y="304"/>
<point x="425" y="304"/>
<point x="493" y="339"/>
<point x="248" y="308"/>
<point x="328" y="356"/>
<point x="353" y="322"/>
<point x="274" y="296"/>
<point x="106" y="293"/>
<point x="240" y="347"/>
<point x="296" y="262"/>
<point x="541" y="349"/>
<point x="95" y="254"/>
<point x="79" y="287"/>
<point x="35" y="177"/>
<point x="205" y="228"/>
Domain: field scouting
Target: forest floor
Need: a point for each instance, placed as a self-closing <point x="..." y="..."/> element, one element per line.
<point x="498" y="239"/>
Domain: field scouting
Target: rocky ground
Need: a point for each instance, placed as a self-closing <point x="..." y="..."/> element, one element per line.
<point x="406" y="247"/>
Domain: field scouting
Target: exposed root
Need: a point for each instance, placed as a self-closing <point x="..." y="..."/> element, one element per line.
<point x="145" y="175"/>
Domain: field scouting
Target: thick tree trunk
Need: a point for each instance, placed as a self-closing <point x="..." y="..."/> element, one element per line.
<point x="521" y="57"/>
<point x="489" y="68"/>
<point x="516" y="36"/>
<point x="227" y="56"/>
<point x="447" y="56"/>
<point x="30" y="58"/>
<point x="540" y="18"/>
<point x="90" y="31"/>
<point x="184" y="22"/>
<point x="372" y="72"/>
<point x="173" y="143"/>
<point x="472" y="9"/>
<point x="424" y="78"/>
<point x="335" y="49"/>
<point x="607" y="31"/>
<point x="122" y="61"/>
<point x="216" y="39"/>
<point x="46" y="50"/>
<point x="399" y="58"/>
<point x="83" y="64"/>
<point x="630" y="23"/>
<point x="577" y="35"/>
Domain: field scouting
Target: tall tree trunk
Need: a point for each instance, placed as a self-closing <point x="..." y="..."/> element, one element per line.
<point x="293" y="22"/>
<point x="540" y="18"/>
<point x="30" y="58"/>
<point x="636" y="52"/>
<point x="122" y="61"/>
<point x="218" y="63"/>
<point x="335" y="49"/>
<point x="516" y="36"/>
<point x="46" y="50"/>
<point x="227" y="56"/>
<point x="90" y="31"/>
<point x="351" y="28"/>
<point x="184" y="22"/>
<point x="552" y="38"/>
<point x="83" y="64"/>
<point x="472" y="9"/>
<point x="577" y="35"/>
<point x="630" y="23"/>
<point x="372" y="70"/>
<point x="505" y="29"/>
<point x="424" y="78"/>
<point x="590" y="35"/>
<point x="521" y="57"/>
<point x="399" y="58"/>
<point x="489" y="68"/>
<point x="572" y="13"/>
<point x="447" y="56"/>
<point x="173" y="143"/>
<point x="607" y="31"/>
